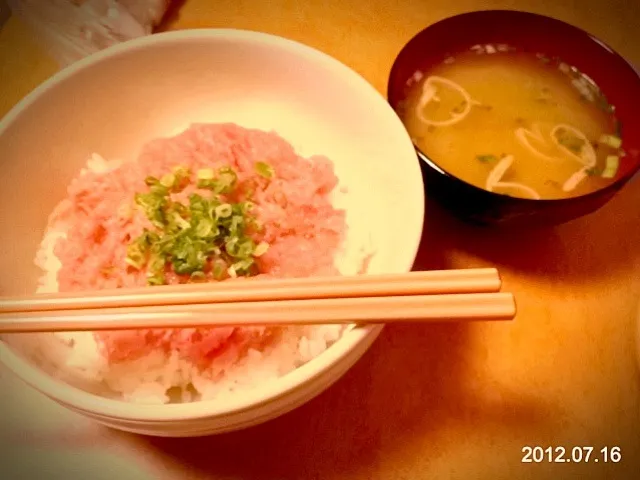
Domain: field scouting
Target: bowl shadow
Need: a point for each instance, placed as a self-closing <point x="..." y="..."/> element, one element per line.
<point x="576" y="252"/>
<point x="411" y="382"/>
<point x="416" y="380"/>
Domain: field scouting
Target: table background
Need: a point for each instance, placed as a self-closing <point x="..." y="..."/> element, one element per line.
<point x="440" y="401"/>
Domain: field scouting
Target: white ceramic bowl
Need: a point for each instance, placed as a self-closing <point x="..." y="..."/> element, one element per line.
<point x="115" y="101"/>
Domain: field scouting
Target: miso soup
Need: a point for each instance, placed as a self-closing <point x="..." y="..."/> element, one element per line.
<point x="518" y="124"/>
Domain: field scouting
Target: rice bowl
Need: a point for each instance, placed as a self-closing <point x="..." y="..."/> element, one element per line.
<point x="304" y="360"/>
<point x="85" y="246"/>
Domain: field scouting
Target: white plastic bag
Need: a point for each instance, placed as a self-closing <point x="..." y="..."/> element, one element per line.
<point x="74" y="29"/>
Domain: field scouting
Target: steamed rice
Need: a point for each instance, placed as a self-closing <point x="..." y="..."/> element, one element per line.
<point x="305" y="233"/>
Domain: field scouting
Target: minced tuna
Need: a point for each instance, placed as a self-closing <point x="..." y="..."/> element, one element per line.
<point x="99" y="218"/>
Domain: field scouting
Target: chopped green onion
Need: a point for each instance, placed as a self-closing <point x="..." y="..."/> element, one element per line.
<point x="257" y="225"/>
<point x="182" y="175"/>
<point x="261" y="249"/>
<point x="204" y="228"/>
<point x="223" y="184"/>
<point x="151" y="181"/>
<point x="231" y="246"/>
<point x="486" y="158"/>
<point x="205" y="233"/>
<point x="193" y="260"/>
<point x="219" y="268"/>
<point x="205" y="183"/>
<point x="157" y="263"/>
<point x="137" y="253"/>
<point x="611" y="140"/>
<point x="264" y="170"/>
<point x="226" y="180"/>
<point x="195" y="276"/>
<point x="248" y="207"/>
<point x="181" y="222"/>
<point x="182" y="172"/>
<point x="168" y="180"/>
<point x="612" y="163"/>
<point x="134" y="262"/>
<point x="236" y="221"/>
<point x="156" y="280"/>
<point x="206" y="174"/>
<point x="244" y="248"/>
<point x="197" y="203"/>
<point x="159" y="190"/>
<point x="223" y="211"/>
<point x="243" y="265"/>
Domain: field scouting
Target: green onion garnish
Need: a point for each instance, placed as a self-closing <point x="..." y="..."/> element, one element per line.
<point x="611" y="141"/>
<point x="224" y="183"/>
<point x="180" y="222"/>
<point x="136" y="256"/>
<point x="219" y="269"/>
<point x="196" y="276"/>
<point x="261" y="249"/>
<point x="204" y="228"/>
<point x="204" y="238"/>
<point x="155" y="280"/>
<point x="151" y="181"/>
<point x="206" y="174"/>
<point x="223" y="211"/>
<point x="264" y="170"/>
<point x="612" y="163"/>
<point x="168" y="180"/>
<point x="486" y="158"/>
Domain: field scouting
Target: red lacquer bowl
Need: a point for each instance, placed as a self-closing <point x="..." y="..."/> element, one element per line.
<point x="532" y="33"/>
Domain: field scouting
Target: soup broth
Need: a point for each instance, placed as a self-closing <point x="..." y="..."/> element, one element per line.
<point x="517" y="124"/>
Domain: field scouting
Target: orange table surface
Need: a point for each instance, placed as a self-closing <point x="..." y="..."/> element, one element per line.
<point x="453" y="401"/>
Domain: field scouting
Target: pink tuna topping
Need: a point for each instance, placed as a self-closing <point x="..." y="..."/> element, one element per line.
<point x="301" y="226"/>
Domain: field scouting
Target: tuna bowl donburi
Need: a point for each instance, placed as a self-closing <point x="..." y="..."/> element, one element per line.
<point x="200" y="156"/>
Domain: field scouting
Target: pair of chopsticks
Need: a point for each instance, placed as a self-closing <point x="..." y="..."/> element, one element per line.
<point x="444" y="295"/>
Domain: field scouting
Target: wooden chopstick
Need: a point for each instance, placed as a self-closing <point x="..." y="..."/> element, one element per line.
<point x="479" y="280"/>
<point x="392" y="309"/>
<point x="442" y="295"/>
